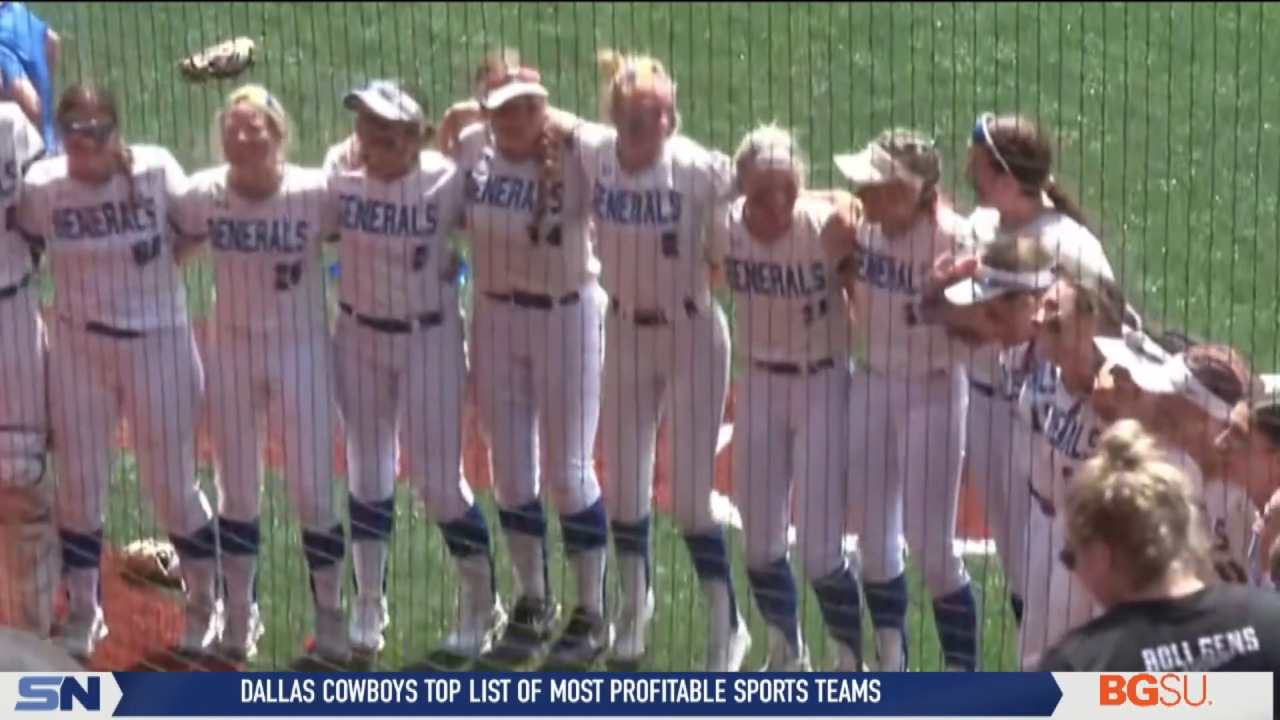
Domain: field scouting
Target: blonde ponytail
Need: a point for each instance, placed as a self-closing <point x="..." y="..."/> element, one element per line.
<point x="610" y="62"/>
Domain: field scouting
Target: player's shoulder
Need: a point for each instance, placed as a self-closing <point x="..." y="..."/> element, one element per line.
<point x="152" y="157"/>
<point x="302" y="178"/>
<point x="814" y="212"/>
<point x="11" y="116"/>
<point x="435" y="164"/>
<point x="45" y="171"/>
<point x="1073" y="243"/>
<point x="207" y="178"/>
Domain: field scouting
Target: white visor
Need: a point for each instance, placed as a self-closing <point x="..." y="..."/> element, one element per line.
<point x="874" y="166"/>
<point x="1154" y="371"/>
<point x="991" y="283"/>
<point x="1141" y="357"/>
<point x="504" y="94"/>
<point x="386" y="100"/>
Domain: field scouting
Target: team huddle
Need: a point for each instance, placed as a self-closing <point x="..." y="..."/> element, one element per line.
<point x="597" y="251"/>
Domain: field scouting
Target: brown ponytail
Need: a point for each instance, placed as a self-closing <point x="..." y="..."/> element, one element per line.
<point x="1063" y="202"/>
<point x="1024" y="150"/>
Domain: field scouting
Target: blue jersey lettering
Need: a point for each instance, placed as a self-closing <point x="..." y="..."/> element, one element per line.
<point x="755" y="277"/>
<point x="280" y="235"/>
<point x="111" y="219"/>
<point x="512" y="193"/>
<point x="887" y="272"/>
<point x="377" y="217"/>
<point x="637" y="207"/>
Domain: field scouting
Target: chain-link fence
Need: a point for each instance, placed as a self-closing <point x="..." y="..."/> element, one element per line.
<point x="1159" y="123"/>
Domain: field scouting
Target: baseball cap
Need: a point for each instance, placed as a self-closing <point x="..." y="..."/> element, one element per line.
<point x="518" y="82"/>
<point x="989" y="283"/>
<point x="903" y="155"/>
<point x="387" y="100"/>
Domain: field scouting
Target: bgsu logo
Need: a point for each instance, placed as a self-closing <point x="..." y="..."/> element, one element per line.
<point x="1146" y="690"/>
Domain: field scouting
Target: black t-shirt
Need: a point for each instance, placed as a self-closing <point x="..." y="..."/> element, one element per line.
<point x="1227" y="628"/>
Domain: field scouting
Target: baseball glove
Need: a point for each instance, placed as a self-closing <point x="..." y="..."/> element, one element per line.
<point x="224" y="60"/>
<point x="150" y="562"/>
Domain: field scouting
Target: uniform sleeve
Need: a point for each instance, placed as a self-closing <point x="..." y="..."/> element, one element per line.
<point x="187" y="214"/>
<point x="721" y="177"/>
<point x="175" y="185"/>
<point x="29" y="219"/>
<point x="718" y="235"/>
<point x="586" y="143"/>
<point x="28" y="143"/>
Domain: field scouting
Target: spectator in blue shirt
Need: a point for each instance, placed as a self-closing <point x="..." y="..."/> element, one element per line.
<point x="29" y="54"/>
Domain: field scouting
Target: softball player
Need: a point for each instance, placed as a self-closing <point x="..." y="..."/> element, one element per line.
<point x="401" y="363"/>
<point x="267" y="356"/>
<point x="538" y="350"/>
<point x="121" y="348"/>
<point x="1010" y="166"/>
<point x="1189" y="399"/>
<point x="990" y="312"/>
<point x="789" y="307"/>
<point x="1055" y="407"/>
<point x="28" y="536"/>
<point x="908" y="403"/>
<point x="653" y="194"/>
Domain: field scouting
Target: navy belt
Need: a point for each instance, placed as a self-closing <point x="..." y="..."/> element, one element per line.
<point x="651" y="317"/>
<point x="7" y="293"/>
<point x="983" y="389"/>
<point x="115" y="333"/>
<point x="535" y="301"/>
<point x="781" y="368"/>
<point x="393" y="326"/>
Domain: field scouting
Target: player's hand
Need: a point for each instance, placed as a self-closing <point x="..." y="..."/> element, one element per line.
<point x="451" y="267"/>
<point x="457" y="118"/>
<point x="946" y="271"/>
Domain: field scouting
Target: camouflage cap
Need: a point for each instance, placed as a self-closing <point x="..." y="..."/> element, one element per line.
<point x="896" y="154"/>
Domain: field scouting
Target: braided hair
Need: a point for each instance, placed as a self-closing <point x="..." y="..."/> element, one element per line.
<point x="504" y="67"/>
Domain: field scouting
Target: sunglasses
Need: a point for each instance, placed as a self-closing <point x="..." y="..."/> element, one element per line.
<point x="99" y="131"/>
<point x="982" y="136"/>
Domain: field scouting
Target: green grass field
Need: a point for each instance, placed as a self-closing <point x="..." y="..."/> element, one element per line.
<point x="1165" y="116"/>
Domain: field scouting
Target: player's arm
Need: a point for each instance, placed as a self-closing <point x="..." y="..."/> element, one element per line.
<point x="183" y="209"/>
<point x="457" y="118"/>
<point x="840" y="239"/>
<point x="455" y="198"/>
<point x="18" y="86"/>
<point x="1054" y="661"/>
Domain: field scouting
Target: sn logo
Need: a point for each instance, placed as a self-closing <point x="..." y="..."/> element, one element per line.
<point x="47" y="693"/>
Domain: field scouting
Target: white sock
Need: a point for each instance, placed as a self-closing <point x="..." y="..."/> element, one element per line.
<point x="589" y="567"/>
<point x="328" y="586"/>
<point x="634" y="583"/>
<point x="237" y="573"/>
<point x="529" y="564"/>
<point x="82" y="592"/>
<point x="369" y="559"/>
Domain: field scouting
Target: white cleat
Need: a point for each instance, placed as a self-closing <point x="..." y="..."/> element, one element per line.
<point x="81" y="636"/>
<point x="369" y="621"/>
<point x="241" y="630"/>
<point x="480" y="614"/>
<point x="203" y="625"/>
<point x="785" y="657"/>
<point x="632" y="627"/>
<point x="726" y="652"/>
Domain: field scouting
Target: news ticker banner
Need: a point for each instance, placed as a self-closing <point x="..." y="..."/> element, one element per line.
<point x="1239" y="696"/>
